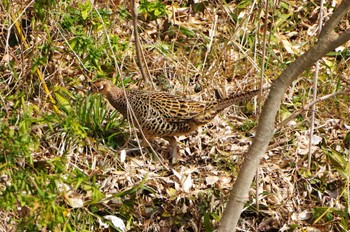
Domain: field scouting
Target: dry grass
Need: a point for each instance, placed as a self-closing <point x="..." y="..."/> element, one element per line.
<point x="52" y="163"/>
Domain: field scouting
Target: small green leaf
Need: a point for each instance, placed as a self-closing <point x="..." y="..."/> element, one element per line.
<point x="63" y="102"/>
<point x="86" y="9"/>
<point x="187" y="32"/>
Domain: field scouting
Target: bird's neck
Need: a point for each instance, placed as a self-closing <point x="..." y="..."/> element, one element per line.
<point x="115" y="96"/>
<point x="114" y="91"/>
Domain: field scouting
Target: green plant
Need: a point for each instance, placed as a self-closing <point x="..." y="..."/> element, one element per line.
<point x="151" y="10"/>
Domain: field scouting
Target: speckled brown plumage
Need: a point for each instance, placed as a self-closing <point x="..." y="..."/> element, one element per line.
<point x="164" y="115"/>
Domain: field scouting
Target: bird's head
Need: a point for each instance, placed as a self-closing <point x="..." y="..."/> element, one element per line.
<point x="102" y="86"/>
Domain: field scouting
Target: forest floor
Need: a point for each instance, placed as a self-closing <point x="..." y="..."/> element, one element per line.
<point x="63" y="159"/>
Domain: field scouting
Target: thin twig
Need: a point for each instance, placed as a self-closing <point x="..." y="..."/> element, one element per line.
<point x="305" y="108"/>
<point x="139" y="54"/>
<point x="212" y="33"/>
<point x="262" y="71"/>
<point x="314" y="95"/>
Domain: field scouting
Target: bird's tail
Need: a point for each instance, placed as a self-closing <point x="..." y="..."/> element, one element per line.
<point x="236" y="98"/>
<point x="213" y="108"/>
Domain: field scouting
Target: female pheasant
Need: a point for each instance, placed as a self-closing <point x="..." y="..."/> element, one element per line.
<point x="159" y="114"/>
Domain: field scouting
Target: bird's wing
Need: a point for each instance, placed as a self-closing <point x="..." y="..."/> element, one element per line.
<point x="174" y="108"/>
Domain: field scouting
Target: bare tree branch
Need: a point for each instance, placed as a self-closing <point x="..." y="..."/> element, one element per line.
<point x="328" y="41"/>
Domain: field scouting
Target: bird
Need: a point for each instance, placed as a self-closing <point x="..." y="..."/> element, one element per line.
<point x="160" y="114"/>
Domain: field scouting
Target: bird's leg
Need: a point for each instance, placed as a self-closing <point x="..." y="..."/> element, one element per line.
<point x="173" y="148"/>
